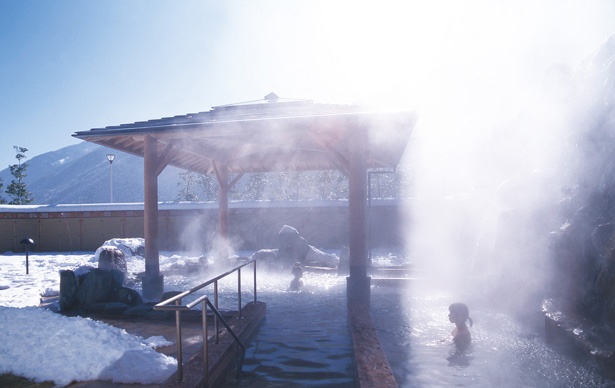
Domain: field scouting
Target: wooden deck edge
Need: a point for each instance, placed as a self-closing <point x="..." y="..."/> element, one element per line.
<point x="372" y="365"/>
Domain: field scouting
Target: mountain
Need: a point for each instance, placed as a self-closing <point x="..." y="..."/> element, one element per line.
<point x="80" y="173"/>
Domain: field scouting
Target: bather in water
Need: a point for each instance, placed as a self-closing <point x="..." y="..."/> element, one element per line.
<point x="297" y="283"/>
<point x="459" y="314"/>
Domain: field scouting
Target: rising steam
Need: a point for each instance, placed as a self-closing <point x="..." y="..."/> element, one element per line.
<point x="485" y="207"/>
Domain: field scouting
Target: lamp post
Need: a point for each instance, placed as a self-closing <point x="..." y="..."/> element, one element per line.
<point x="27" y="242"/>
<point x="111" y="158"/>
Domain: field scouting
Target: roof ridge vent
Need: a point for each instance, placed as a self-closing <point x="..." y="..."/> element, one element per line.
<point x="272" y="97"/>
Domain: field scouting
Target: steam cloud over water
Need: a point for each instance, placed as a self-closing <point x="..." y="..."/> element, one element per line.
<point x="489" y="194"/>
<point x="492" y="83"/>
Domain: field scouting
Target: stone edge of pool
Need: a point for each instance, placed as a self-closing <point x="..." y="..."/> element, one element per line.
<point x="371" y="363"/>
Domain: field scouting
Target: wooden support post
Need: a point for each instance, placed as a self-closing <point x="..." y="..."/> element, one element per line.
<point x="153" y="285"/>
<point x="222" y="176"/>
<point x="358" y="283"/>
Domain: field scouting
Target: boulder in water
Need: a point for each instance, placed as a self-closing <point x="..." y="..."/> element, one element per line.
<point x="292" y="247"/>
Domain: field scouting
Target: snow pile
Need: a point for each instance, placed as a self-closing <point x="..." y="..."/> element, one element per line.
<point x="44" y="346"/>
<point x="129" y="246"/>
<point x="67" y="349"/>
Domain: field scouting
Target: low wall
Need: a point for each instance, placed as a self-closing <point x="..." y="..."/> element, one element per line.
<point x="192" y="226"/>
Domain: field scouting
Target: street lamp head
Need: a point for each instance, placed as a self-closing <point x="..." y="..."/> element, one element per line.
<point x="110" y="158"/>
<point x="27" y="241"/>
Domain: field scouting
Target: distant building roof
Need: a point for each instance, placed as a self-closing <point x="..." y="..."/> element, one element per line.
<point x="267" y="135"/>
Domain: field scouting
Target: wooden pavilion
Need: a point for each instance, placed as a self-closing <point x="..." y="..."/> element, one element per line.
<point x="264" y="136"/>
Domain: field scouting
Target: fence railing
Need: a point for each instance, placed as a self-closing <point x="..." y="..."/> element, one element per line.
<point x="206" y="303"/>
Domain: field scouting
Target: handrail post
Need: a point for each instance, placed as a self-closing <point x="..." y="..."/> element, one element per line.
<point x="178" y="328"/>
<point x="254" y="281"/>
<point x="239" y="291"/>
<point x="216" y="305"/>
<point x="205" y="346"/>
<point x="206" y="303"/>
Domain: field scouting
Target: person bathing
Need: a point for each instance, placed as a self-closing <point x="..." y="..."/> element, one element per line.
<point x="459" y="314"/>
<point x="297" y="283"/>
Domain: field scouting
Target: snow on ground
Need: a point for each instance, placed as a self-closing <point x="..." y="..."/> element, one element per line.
<point x="44" y="346"/>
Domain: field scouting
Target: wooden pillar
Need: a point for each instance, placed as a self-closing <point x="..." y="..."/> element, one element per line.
<point x="153" y="286"/>
<point x="358" y="283"/>
<point x="223" y="189"/>
<point x="222" y="242"/>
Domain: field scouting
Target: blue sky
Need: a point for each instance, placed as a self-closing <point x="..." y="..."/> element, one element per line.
<point x="69" y="65"/>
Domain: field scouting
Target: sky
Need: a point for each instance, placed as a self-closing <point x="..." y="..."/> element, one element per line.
<point x="68" y="66"/>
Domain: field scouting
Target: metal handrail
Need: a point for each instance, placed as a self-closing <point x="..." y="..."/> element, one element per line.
<point x="206" y="302"/>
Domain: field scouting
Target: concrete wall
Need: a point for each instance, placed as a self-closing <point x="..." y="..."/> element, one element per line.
<point x="189" y="226"/>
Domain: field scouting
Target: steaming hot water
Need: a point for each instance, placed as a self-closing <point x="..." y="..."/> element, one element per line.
<point x="304" y="340"/>
<point x="506" y="351"/>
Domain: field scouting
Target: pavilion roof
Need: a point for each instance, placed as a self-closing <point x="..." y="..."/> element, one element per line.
<point x="270" y="135"/>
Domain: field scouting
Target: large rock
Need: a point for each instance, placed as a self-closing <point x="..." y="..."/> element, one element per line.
<point x="97" y="286"/>
<point x="127" y="296"/>
<point x="292" y="248"/>
<point x="68" y="290"/>
<point x="112" y="258"/>
<point x="267" y="258"/>
<point x="584" y="255"/>
<point x="603" y="238"/>
<point x="317" y="258"/>
<point x="129" y="246"/>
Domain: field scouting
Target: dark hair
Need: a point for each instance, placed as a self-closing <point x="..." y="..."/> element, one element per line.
<point x="297" y="270"/>
<point x="462" y="310"/>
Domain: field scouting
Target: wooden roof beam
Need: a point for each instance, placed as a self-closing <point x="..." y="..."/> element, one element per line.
<point x="166" y="155"/>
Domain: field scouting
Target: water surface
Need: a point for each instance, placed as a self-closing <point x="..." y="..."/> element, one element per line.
<point x="304" y="341"/>
<point x="506" y="351"/>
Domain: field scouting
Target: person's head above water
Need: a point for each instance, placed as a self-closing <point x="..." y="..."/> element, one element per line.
<point x="297" y="271"/>
<point x="459" y="313"/>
